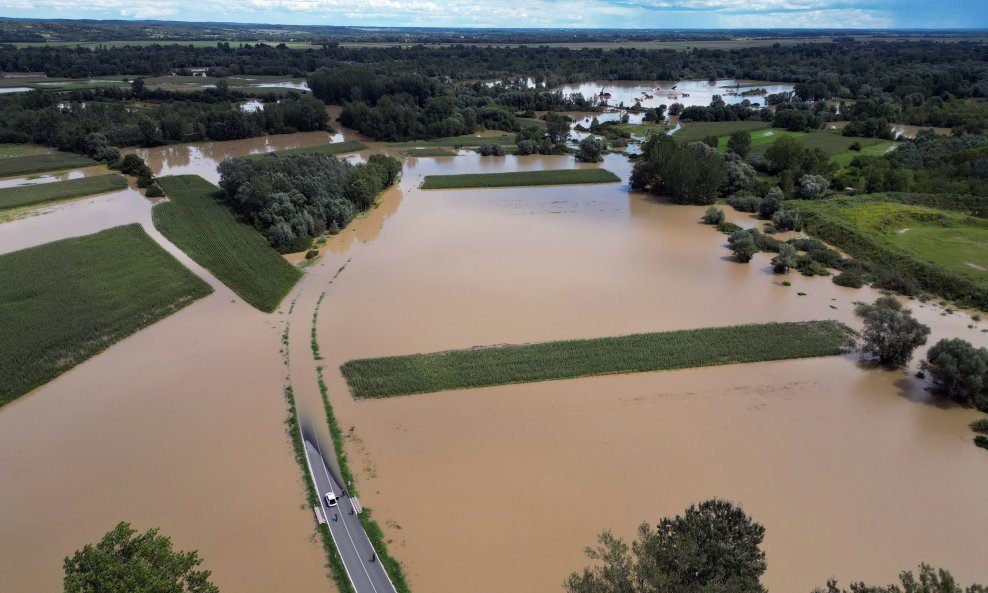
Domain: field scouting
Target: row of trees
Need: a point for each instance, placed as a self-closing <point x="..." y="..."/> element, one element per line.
<point x="822" y="70"/>
<point x="40" y="118"/>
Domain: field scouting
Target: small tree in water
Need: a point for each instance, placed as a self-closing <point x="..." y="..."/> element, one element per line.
<point x="891" y="334"/>
<point x="743" y="246"/>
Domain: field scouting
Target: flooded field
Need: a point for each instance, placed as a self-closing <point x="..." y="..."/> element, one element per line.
<point x="844" y="465"/>
<point x="180" y="426"/>
<point x="687" y="92"/>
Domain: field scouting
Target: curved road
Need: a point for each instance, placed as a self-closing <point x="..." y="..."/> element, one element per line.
<point x="367" y="575"/>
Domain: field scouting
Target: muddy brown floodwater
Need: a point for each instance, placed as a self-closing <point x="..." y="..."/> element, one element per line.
<point x="501" y="488"/>
<point x="180" y="426"/>
<point x="854" y="472"/>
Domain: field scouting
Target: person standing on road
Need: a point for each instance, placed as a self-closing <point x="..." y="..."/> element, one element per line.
<point x="336" y="516"/>
<point x="373" y="556"/>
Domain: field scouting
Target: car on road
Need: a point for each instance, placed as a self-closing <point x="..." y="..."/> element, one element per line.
<point x="331" y="500"/>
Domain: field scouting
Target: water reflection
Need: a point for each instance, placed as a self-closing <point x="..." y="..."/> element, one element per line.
<point x="687" y="92"/>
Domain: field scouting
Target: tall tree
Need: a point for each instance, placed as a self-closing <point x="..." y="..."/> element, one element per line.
<point x="712" y="548"/>
<point x="125" y="561"/>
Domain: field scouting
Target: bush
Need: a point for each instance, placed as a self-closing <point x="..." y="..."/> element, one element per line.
<point x="786" y="259"/>
<point x="786" y="219"/>
<point x="771" y="203"/>
<point x="808" y="267"/>
<point x="959" y="372"/>
<point x="144" y="181"/>
<point x="896" y="281"/>
<point x="713" y="215"/>
<point x="312" y="254"/>
<point x="744" y="202"/>
<point x="491" y="150"/>
<point x="849" y="278"/>
<point x="154" y="191"/>
<point x="856" y="147"/>
<point x="812" y="187"/>
<point x="743" y="246"/>
<point x="891" y="334"/>
<point x="591" y="150"/>
<point x="728" y="228"/>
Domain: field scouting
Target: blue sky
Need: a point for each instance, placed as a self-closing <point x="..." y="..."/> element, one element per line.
<point x="639" y="14"/>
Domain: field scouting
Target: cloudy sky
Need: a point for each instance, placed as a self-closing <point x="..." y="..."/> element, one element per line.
<point x="641" y="14"/>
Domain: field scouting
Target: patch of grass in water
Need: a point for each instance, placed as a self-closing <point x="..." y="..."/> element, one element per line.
<point x="501" y="365"/>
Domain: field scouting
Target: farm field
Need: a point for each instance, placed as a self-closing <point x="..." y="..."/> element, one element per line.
<point x="502" y="365"/>
<point x="37" y="163"/>
<point x="458" y="141"/>
<point x="694" y="132"/>
<point x="43" y="193"/>
<point x="519" y="178"/>
<point x="418" y="152"/>
<point x="197" y="222"/>
<point x="331" y="148"/>
<point x="945" y="252"/>
<point x="66" y="301"/>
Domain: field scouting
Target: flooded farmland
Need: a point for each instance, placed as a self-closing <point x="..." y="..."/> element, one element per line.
<point x="844" y="465"/>
<point x="688" y="92"/>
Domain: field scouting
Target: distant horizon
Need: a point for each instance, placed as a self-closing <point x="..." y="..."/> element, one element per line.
<point x="371" y="27"/>
<point x="646" y="15"/>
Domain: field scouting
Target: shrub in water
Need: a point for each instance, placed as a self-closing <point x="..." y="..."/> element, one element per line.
<point x="154" y="191"/>
<point x="713" y="215"/>
<point x="849" y="278"/>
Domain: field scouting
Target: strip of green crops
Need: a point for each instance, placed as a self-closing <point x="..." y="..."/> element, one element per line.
<point x="25" y="165"/>
<point x="501" y="365"/>
<point x="40" y="193"/>
<point x="332" y="148"/>
<point x="63" y="302"/>
<point x="520" y="178"/>
<point x="195" y="219"/>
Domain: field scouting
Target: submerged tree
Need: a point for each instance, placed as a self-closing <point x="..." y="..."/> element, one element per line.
<point x="136" y="563"/>
<point x="891" y="334"/>
<point x="959" y="372"/>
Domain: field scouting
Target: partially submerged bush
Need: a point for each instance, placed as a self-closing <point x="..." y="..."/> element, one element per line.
<point x="744" y="202"/>
<point x="713" y="215"/>
<point x="491" y="150"/>
<point x="154" y="191"/>
<point x="849" y="278"/>
<point x="959" y="372"/>
<point x="891" y="334"/>
<point x="743" y="246"/>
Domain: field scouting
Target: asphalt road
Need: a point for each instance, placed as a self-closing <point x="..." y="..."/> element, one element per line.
<point x="367" y="575"/>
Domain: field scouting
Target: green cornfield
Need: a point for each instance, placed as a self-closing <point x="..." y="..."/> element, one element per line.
<point x="502" y="365"/>
<point x="25" y="165"/>
<point x="196" y="220"/>
<point x="63" y="302"/>
<point x="519" y="178"/>
<point x="42" y="193"/>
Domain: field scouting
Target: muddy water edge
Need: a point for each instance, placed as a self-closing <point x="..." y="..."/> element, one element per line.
<point x="843" y="464"/>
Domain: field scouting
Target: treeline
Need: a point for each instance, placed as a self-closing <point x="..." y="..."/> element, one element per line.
<point x="822" y="70"/>
<point x="928" y="163"/>
<point x="42" y="118"/>
<point x="413" y="105"/>
<point x="293" y="199"/>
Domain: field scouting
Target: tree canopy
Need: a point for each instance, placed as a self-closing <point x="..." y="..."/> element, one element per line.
<point x="125" y="561"/>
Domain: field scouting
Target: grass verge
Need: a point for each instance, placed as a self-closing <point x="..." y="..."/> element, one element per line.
<point x="694" y="132"/>
<point x="520" y="178"/>
<point x="336" y="568"/>
<point x="43" y="193"/>
<point x="501" y="365"/>
<point x="373" y="530"/>
<point x="66" y="301"/>
<point x="37" y="163"/>
<point x="195" y="219"/>
<point x="458" y="141"/>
